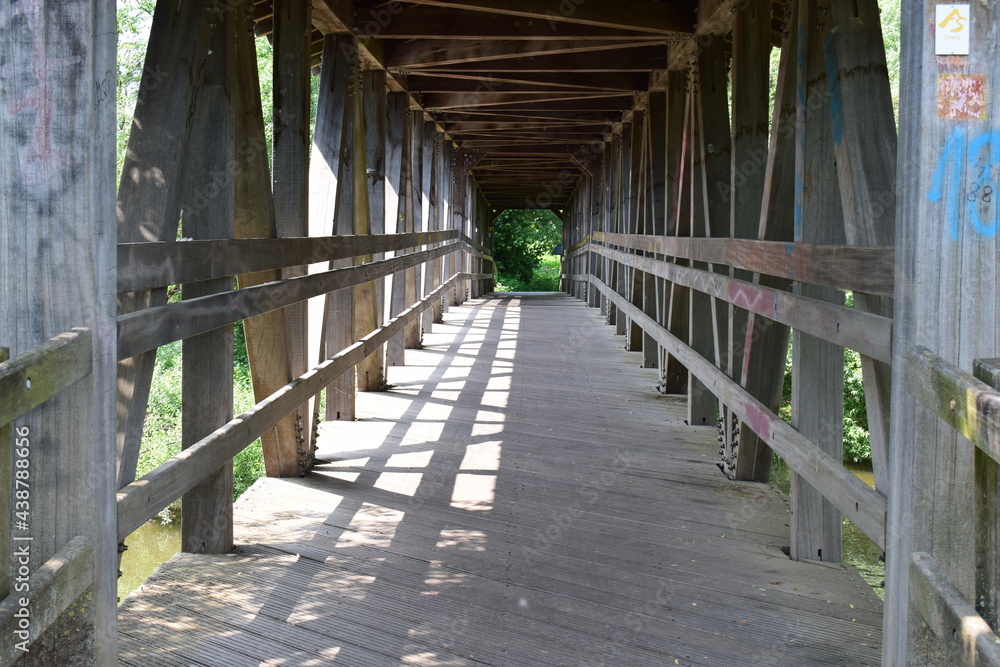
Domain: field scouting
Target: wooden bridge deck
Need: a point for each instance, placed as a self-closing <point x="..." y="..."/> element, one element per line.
<point x="522" y="496"/>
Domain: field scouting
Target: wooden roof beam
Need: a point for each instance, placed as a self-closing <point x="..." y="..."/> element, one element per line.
<point x="626" y="59"/>
<point x="645" y="16"/>
<point x="445" y="52"/>
<point x="605" y="82"/>
<point x="436" y="102"/>
<point x="417" y="21"/>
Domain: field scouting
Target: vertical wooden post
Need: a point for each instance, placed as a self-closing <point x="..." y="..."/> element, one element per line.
<point x="635" y="225"/>
<point x="766" y="346"/>
<point x="397" y="156"/>
<point x="331" y="209"/>
<point x="266" y="335"/>
<point x="865" y="144"/>
<point x="616" y="272"/>
<point x="148" y="203"/>
<point x="604" y="225"/>
<point x="710" y="175"/>
<point x="619" y="220"/>
<point x="751" y="50"/>
<point x="375" y="93"/>
<point x="207" y="359"/>
<point x="437" y="209"/>
<point x="653" y="287"/>
<point x="324" y="171"/>
<point x="946" y="300"/>
<point x="675" y="375"/>
<point x="57" y="266"/>
<point x="817" y="365"/>
<point x="592" y="221"/>
<point x="415" y="218"/>
<point x="290" y="177"/>
<point x="987" y="511"/>
<point x="431" y="175"/>
<point x="459" y="197"/>
<point x="447" y="176"/>
<point x="366" y="317"/>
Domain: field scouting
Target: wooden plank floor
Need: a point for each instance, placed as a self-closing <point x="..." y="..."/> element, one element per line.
<point x="522" y="496"/>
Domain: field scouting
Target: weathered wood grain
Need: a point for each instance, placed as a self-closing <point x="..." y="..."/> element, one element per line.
<point x="207" y="358"/>
<point x="854" y="498"/>
<point x="946" y="262"/>
<point x="817" y="364"/>
<point x="967" y="638"/>
<point x="143" y="499"/>
<point x="966" y="403"/>
<point x="397" y="208"/>
<point x="856" y="268"/>
<point x="153" y="327"/>
<point x="366" y="318"/>
<point x="864" y="332"/>
<point x="52" y="589"/>
<point x="147" y="265"/>
<point x="381" y="563"/>
<point x="291" y="101"/>
<point x="864" y="139"/>
<point x="148" y="204"/>
<point x="41" y="373"/>
<point x="57" y="236"/>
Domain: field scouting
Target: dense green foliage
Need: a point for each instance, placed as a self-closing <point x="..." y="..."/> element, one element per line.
<point x="857" y="445"/>
<point x="544" y="278"/>
<point x="161" y="437"/>
<point x="521" y="238"/>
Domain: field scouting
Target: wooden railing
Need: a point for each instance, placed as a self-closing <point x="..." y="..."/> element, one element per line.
<point x="35" y="599"/>
<point x="970" y="404"/>
<point x="867" y="269"/>
<point x="152" y="265"/>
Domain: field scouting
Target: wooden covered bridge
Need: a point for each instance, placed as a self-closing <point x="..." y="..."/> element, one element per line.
<point x="503" y="479"/>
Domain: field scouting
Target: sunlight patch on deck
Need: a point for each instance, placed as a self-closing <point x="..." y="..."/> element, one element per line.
<point x="372" y="526"/>
<point x="482" y="456"/>
<point x="474" y="492"/>
<point x="410" y="460"/>
<point x="403" y="483"/>
<point x="462" y="539"/>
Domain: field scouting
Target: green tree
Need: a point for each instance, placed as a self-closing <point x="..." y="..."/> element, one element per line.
<point x="521" y="238"/>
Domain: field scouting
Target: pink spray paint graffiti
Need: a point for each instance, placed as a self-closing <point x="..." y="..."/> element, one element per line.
<point x="29" y="75"/>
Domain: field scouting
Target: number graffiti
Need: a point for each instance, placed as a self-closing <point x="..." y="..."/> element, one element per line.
<point x="965" y="180"/>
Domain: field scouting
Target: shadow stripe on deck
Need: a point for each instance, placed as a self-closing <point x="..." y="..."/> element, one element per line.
<point x="522" y="496"/>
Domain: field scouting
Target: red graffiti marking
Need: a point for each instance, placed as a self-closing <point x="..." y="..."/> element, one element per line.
<point x="40" y="155"/>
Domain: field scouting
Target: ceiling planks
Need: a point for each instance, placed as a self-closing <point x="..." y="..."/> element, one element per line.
<point x="530" y="89"/>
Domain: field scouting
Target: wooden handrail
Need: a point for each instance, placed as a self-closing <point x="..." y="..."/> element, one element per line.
<point x="868" y="269"/>
<point x="578" y="245"/>
<point x="148" y="265"/>
<point x="855" y="499"/>
<point x="950" y="616"/>
<point x="48" y="592"/>
<point x="39" y="374"/>
<point x="967" y="404"/>
<point x="869" y="334"/>
<point x="150" y="328"/>
<point x="144" y="498"/>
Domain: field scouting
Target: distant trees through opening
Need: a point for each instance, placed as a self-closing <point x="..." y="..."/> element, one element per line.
<point x="523" y="245"/>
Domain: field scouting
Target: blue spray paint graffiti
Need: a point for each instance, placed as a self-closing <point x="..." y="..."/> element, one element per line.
<point x="967" y="175"/>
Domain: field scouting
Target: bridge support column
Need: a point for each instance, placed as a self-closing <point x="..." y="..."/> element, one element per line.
<point x="942" y="487"/>
<point x="57" y="268"/>
<point x="817" y="365"/>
